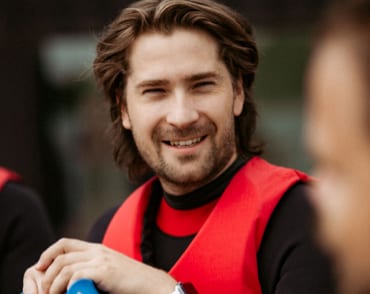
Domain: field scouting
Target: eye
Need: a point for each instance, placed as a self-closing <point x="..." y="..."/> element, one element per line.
<point x="204" y="84"/>
<point x="153" y="91"/>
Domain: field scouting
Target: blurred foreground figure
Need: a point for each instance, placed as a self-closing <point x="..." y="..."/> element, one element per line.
<point x="338" y="136"/>
<point x="24" y="231"/>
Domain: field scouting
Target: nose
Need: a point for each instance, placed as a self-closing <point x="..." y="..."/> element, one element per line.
<point x="182" y="112"/>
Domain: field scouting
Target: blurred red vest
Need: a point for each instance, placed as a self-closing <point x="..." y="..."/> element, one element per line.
<point x="222" y="258"/>
<point x="6" y="176"/>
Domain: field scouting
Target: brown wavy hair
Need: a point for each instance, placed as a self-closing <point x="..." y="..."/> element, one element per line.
<point x="237" y="49"/>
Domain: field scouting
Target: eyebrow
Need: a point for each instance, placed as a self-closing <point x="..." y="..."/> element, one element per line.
<point x="152" y="83"/>
<point x="189" y="79"/>
<point x="202" y="76"/>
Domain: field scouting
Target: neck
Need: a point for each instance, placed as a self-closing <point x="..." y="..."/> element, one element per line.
<point x="206" y="193"/>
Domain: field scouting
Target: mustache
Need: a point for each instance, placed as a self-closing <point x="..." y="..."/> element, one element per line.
<point x="191" y="131"/>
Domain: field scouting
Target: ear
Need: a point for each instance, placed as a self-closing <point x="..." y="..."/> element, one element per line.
<point x="238" y="97"/>
<point x="126" y="123"/>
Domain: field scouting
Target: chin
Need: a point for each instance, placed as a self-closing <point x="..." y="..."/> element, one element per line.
<point x="353" y="276"/>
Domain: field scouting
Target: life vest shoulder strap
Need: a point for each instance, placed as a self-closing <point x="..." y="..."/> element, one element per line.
<point x="125" y="229"/>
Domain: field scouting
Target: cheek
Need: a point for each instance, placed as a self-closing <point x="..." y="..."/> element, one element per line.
<point x="339" y="208"/>
<point x="141" y="119"/>
<point x="329" y="197"/>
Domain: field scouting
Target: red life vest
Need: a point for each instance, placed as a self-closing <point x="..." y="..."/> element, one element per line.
<point x="6" y="176"/>
<point x="222" y="258"/>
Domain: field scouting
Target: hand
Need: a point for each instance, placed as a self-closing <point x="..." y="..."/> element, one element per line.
<point x="69" y="260"/>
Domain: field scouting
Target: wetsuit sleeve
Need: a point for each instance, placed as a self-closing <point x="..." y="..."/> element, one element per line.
<point x="289" y="259"/>
<point x="25" y="232"/>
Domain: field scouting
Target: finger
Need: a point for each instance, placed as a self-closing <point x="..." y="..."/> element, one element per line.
<point x="90" y="273"/>
<point x="31" y="281"/>
<point x="29" y="287"/>
<point x="64" y="265"/>
<point x="60" y="247"/>
<point x="67" y="276"/>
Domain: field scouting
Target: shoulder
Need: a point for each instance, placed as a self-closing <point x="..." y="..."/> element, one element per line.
<point x="25" y="226"/>
<point x="289" y="258"/>
<point x="294" y="208"/>
<point x="18" y="200"/>
<point x="290" y="222"/>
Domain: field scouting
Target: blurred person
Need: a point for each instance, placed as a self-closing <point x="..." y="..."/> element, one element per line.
<point x="216" y="218"/>
<point x="25" y="231"/>
<point x="338" y="137"/>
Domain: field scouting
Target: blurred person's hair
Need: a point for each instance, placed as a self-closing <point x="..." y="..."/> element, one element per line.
<point x="350" y="21"/>
<point x="237" y="49"/>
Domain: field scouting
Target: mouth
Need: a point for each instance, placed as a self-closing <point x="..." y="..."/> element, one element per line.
<point x="184" y="143"/>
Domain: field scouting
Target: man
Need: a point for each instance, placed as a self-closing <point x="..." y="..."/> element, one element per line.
<point x="24" y="230"/>
<point x="339" y="139"/>
<point x="178" y="75"/>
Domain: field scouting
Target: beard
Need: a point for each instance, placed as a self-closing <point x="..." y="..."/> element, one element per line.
<point x="190" y="171"/>
<point x="207" y="168"/>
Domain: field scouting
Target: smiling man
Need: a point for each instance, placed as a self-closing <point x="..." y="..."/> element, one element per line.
<point x="215" y="218"/>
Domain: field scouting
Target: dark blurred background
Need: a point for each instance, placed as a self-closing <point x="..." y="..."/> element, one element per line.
<point x="53" y="122"/>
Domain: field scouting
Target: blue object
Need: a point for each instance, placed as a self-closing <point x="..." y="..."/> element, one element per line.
<point x="83" y="286"/>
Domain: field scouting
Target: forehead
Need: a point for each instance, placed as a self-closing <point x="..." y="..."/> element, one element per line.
<point x="156" y="50"/>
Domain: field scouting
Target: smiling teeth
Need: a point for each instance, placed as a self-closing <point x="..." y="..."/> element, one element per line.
<point x="185" y="143"/>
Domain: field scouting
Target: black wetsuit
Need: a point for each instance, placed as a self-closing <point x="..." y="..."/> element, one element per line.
<point x="25" y="233"/>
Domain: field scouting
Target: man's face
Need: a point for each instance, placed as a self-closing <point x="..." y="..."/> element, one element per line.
<point x="339" y="142"/>
<point x="180" y="108"/>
